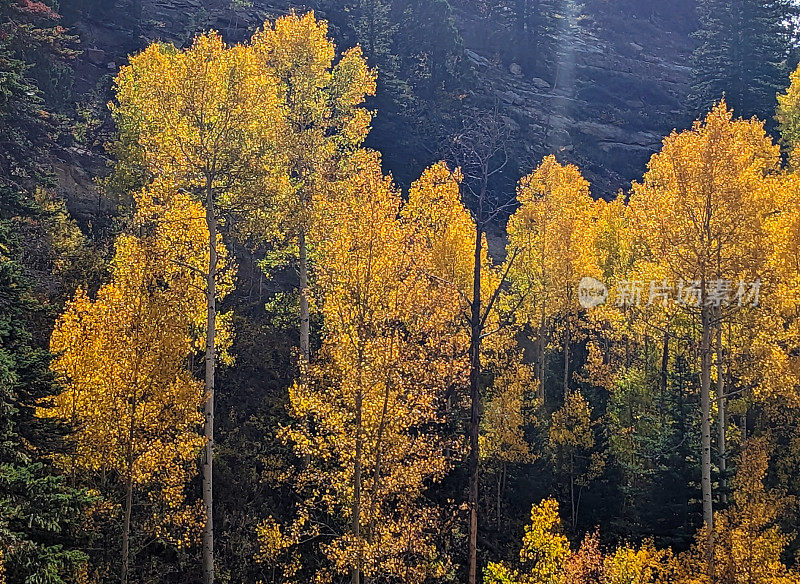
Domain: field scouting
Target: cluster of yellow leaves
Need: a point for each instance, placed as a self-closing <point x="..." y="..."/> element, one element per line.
<point x="508" y="405"/>
<point x="715" y="204"/>
<point x="547" y="558"/>
<point x="322" y="117"/>
<point x="645" y="565"/>
<point x="545" y="550"/>
<point x="788" y="115"/>
<point x="571" y="427"/>
<point x="200" y="117"/>
<point x="554" y="231"/>
<point x="701" y="209"/>
<point x="444" y="229"/>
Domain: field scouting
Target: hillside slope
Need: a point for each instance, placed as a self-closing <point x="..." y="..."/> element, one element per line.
<point x="613" y="98"/>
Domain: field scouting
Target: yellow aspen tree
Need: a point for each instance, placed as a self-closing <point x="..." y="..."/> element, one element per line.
<point x="122" y="356"/>
<point x="203" y="118"/>
<point x="323" y="121"/>
<point x="366" y="409"/>
<point x="760" y="367"/>
<point x="572" y="443"/>
<point x="700" y="213"/>
<point x="554" y="232"/>
<point x="777" y="376"/>
<point x="545" y="551"/>
<point x="788" y="115"/>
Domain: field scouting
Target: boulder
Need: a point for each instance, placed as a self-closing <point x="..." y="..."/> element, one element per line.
<point x="559" y="138"/>
<point x="509" y="97"/>
<point x="540" y="84"/>
<point x="476" y="58"/>
<point x="95" y="56"/>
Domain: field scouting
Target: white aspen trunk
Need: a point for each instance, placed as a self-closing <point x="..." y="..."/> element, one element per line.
<point x="722" y="420"/>
<point x="305" y="316"/>
<point x="705" y="412"/>
<point x="210" y="363"/>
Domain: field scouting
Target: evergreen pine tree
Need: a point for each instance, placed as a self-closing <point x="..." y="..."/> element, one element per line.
<point x="39" y="513"/>
<point x="742" y="52"/>
<point x="417" y="50"/>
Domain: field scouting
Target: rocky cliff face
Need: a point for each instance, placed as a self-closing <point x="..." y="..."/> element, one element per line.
<point x="619" y="87"/>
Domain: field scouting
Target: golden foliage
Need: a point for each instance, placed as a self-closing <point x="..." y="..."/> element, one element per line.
<point x="320" y="118"/>
<point x="545" y="551"/>
<point x="748" y="543"/>
<point x="200" y="118"/>
<point x="554" y="231"/>
<point x="788" y="115"/>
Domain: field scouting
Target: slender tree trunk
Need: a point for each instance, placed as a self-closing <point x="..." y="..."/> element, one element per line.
<point x="664" y="372"/>
<point x="126" y="529"/>
<point x="744" y="427"/>
<point x="210" y="363"/>
<point x="567" y="341"/>
<point x="126" y="522"/>
<point x="474" y="425"/>
<point x="542" y="346"/>
<point x="723" y="420"/>
<point x="705" y="412"/>
<point x="356" y="511"/>
<point x="305" y="317"/>
<point x="378" y="462"/>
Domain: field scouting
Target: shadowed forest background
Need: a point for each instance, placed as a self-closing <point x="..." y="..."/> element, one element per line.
<point x="361" y="225"/>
